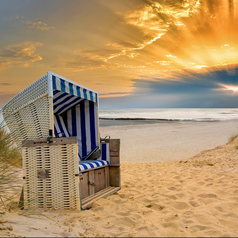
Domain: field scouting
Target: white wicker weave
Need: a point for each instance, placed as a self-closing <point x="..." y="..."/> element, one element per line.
<point x="61" y="189"/>
<point x="30" y="94"/>
<point x="30" y="114"/>
<point x="27" y="114"/>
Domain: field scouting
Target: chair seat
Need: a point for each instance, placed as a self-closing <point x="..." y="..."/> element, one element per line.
<point x="91" y="164"/>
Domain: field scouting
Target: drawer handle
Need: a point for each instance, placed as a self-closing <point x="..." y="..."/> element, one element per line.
<point x="92" y="184"/>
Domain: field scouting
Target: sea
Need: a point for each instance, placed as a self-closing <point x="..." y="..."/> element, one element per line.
<point x="170" y="114"/>
<point x="167" y="114"/>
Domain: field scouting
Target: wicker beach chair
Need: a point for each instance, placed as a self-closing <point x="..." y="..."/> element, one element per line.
<point x="54" y="121"/>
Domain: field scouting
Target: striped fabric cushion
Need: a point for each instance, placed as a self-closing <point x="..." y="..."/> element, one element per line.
<point x="90" y="164"/>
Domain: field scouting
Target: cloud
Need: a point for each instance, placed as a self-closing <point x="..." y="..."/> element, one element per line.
<point x="124" y="44"/>
<point x="95" y="60"/>
<point x="37" y="25"/>
<point x="116" y="94"/>
<point x="29" y="24"/>
<point x="163" y="36"/>
<point x="86" y="62"/>
<point x="90" y="60"/>
<point x="184" y="31"/>
<point x="210" y="87"/>
<point x="5" y="84"/>
<point x="4" y="64"/>
<point x="154" y="19"/>
<point x="188" y="81"/>
<point x="151" y="19"/>
<point x="20" y="55"/>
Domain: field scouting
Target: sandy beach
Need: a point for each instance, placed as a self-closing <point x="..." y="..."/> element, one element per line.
<point x="178" y="179"/>
<point x="143" y="141"/>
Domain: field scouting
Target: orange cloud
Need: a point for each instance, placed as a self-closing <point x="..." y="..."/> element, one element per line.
<point x="37" y="25"/>
<point x="20" y="55"/>
<point x="154" y="20"/>
<point x="117" y="94"/>
<point x="88" y="60"/>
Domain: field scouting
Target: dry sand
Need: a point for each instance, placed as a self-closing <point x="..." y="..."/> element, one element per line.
<point x="185" y="197"/>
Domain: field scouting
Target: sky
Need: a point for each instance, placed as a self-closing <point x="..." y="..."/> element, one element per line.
<point x="134" y="53"/>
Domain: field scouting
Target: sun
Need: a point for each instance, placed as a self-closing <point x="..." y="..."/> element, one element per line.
<point x="232" y="88"/>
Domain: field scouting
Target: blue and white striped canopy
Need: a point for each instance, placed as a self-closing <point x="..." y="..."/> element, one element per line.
<point x="74" y="89"/>
<point x="76" y="114"/>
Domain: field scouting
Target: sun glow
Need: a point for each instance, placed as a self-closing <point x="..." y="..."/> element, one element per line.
<point x="143" y="40"/>
<point x="203" y="37"/>
<point x="232" y="88"/>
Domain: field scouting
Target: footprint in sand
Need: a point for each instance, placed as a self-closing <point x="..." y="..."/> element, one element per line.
<point x="155" y="206"/>
<point x="235" y="192"/>
<point x="195" y="203"/>
<point x="208" y="180"/>
<point x="147" y="200"/>
<point x="188" y="214"/>
<point x="180" y="205"/>
<point x="221" y="192"/>
<point x="201" y="183"/>
<point x="146" y="230"/>
<point x="229" y="215"/>
<point x="125" y="221"/>
<point x="218" y="208"/>
<point x="231" y="224"/>
<point x="204" y="220"/>
<point x="122" y="195"/>
<point x="143" y="231"/>
<point x="180" y="195"/>
<point x="173" y="197"/>
<point x="170" y="218"/>
<point x="233" y="206"/>
<point x="195" y="228"/>
<point x="168" y="225"/>
<point x="98" y="209"/>
<point x="172" y="188"/>
<point x="207" y="198"/>
<point x="207" y="195"/>
<point x="123" y="213"/>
